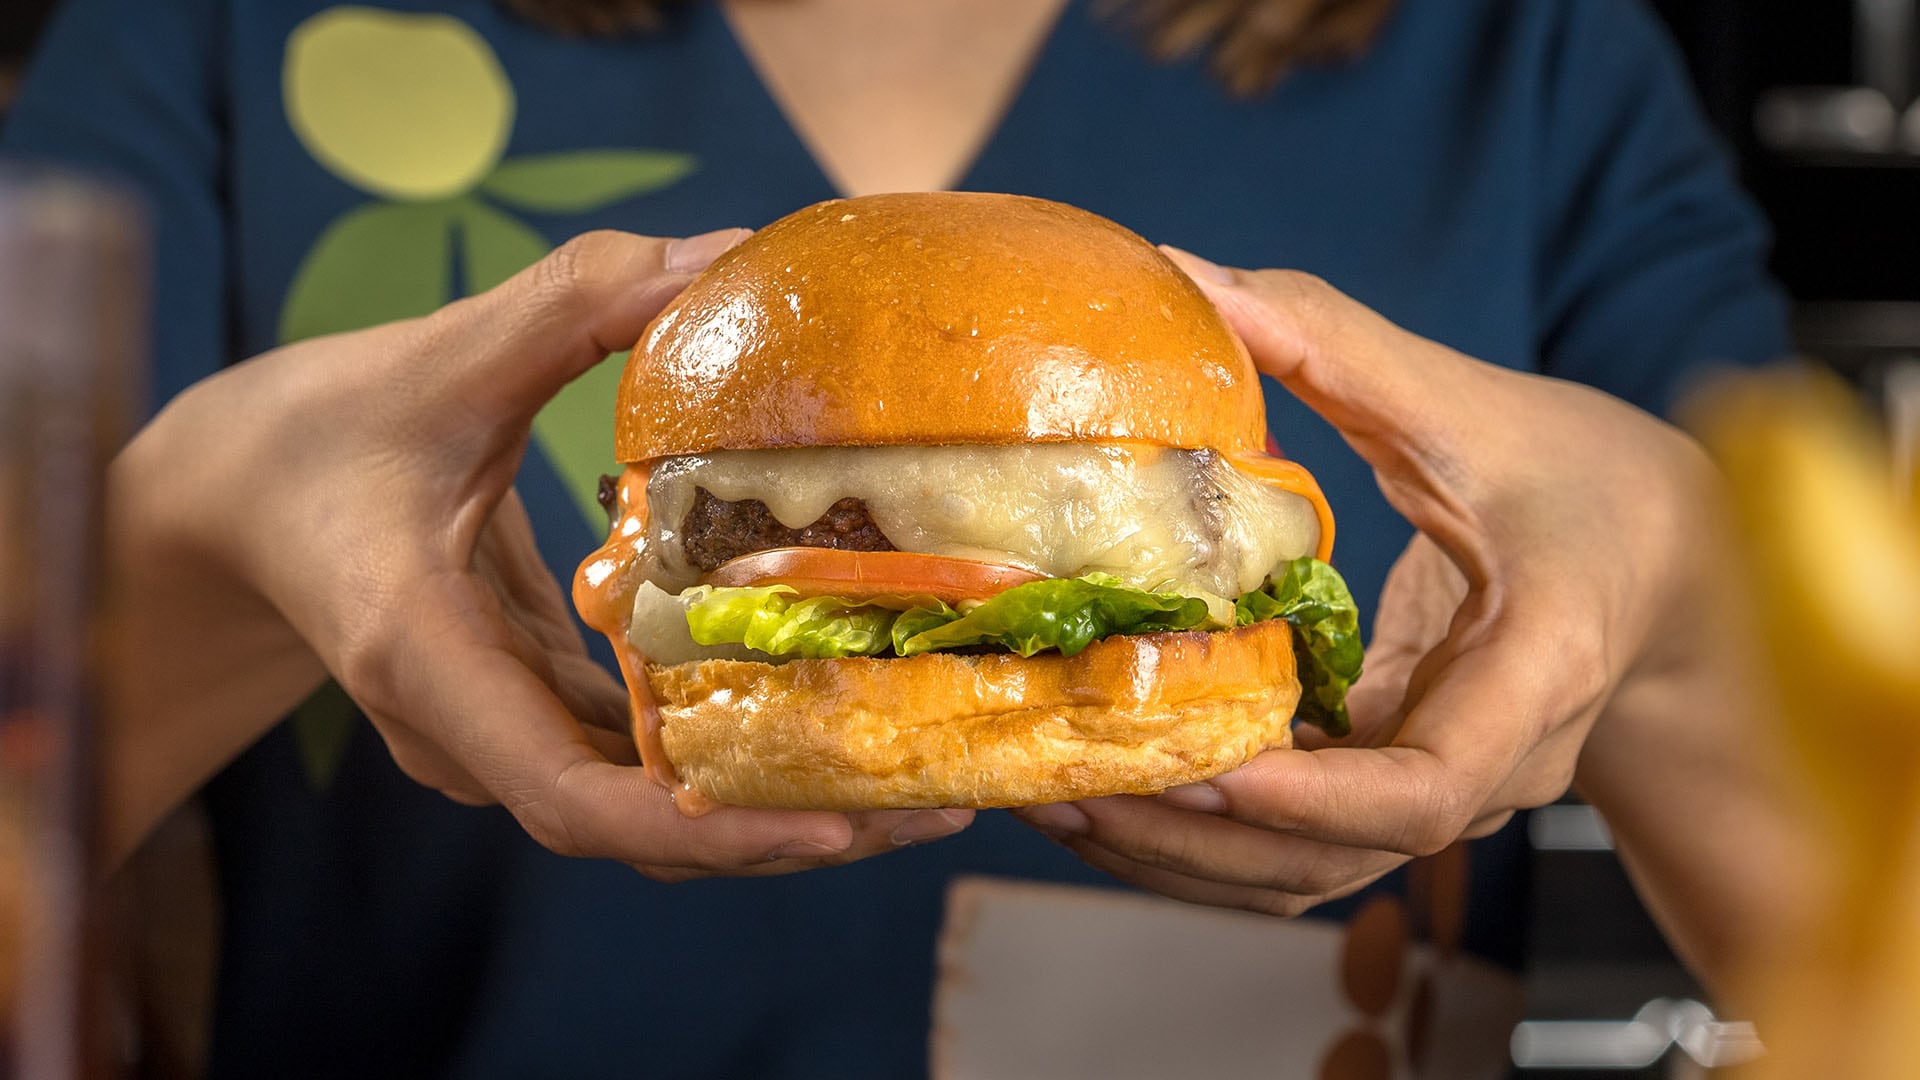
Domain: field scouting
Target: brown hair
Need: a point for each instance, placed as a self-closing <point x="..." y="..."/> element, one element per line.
<point x="1249" y="44"/>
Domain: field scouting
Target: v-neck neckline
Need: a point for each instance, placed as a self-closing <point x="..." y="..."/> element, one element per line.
<point x="964" y="181"/>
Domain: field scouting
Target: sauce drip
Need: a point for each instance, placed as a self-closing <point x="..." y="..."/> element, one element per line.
<point x="646" y="732"/>
<point x="604" y="585"/>
<point x="603" y="591"/>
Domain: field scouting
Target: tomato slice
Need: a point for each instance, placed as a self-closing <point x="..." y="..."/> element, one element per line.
<point x="865" y="575"/>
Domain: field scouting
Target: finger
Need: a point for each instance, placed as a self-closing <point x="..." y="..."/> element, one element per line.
<point x="1470" y="731"/>
<point x="1411" y="408"/>
<point x="426" y="764"/>
<point x="584" y="688"/>
<point x="592" y="696"/>
<point x="429" y="766"/>
<point x="1215" y="848"/>
<point x="1369" y="378"/>
<point x="1181" y="887"/>
<point x="1197" y="891"/>
<point x="1487" y="824"/>
<point x="516" y="345"/>
<point x="1546" y="774"/>
<point x="455" y="676"/>
<point x="508" y="556"/>
<point x="544" y="634"/>
<point x="616" y="746"/>
<point x="875" y="833"/>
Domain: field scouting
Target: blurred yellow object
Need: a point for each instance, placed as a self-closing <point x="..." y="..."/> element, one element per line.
<point x="1833" y="545"/>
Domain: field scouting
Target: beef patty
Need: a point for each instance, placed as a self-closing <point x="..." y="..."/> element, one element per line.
<point x="716" y="530"/>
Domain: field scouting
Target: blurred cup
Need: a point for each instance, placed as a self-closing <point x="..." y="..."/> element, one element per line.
<point x="72" y="318"/>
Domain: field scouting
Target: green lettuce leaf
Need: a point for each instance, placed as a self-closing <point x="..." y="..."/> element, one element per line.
<point x="773" y="620"/>
<point x="1326" y="634"/>
<point x="1067" y="614"/>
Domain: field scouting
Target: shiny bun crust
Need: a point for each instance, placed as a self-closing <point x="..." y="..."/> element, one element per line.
<point x="938" y="318"/>
<point x="1128" y="715"/>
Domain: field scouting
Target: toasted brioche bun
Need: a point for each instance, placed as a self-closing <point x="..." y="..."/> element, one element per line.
<point x="938" y="318"/>
<point x="1128" y="715"/>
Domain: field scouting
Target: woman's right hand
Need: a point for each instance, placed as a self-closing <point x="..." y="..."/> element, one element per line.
<point x="344" y="505"/>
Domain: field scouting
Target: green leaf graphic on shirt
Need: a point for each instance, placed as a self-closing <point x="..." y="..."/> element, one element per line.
<point x="575" y="429"/>
<point x="381" y="262"/>
<point x="584" y="180"/>
<point x="494" y="246"/>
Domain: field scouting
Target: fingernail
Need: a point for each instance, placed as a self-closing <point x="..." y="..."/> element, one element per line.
<point x="802" y="849"/>
<point x="929" y="825"/>
<point x="1202" y="797"/>
<point x="695" y="252"/>
<point x="1197" y="267"/>
<point x="1057" y="819"/>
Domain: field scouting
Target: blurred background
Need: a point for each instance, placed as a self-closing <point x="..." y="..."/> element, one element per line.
<point x="1817" y="100"/>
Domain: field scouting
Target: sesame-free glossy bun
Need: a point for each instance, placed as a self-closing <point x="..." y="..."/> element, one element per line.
<point x="929" y="319"/>
<point x="1131" y="714"/>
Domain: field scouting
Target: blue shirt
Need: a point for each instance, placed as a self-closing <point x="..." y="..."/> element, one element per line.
<point x="1528" y="181"/>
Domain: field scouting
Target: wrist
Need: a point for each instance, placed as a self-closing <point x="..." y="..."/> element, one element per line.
<point x="202" y="664"/>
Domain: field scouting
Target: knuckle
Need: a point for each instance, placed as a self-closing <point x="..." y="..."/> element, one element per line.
<point x="588" y="257"/>
<point x="1489" y="825"/>
<point x="366" y="666"/>
<point x="466" y="796"/>
<point x="1544" y="786"/>
<point x="1167" y="849"/>
<point x="1323" y="873"/>
<point x="549" y="831"/>
<point x="432" y="335"/>
<point x="1305" y="293"/>
<point x="542" y="812"/>
<point x="1446" y="815"/>
<point x="423" y="767"/>
<point x="709" y="854"/>
<point x="1299" y="282"/>
<point x="1580" y="676"/>
<point x="1588" y="666"/>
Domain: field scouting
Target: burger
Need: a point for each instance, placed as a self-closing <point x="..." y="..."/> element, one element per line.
<point x="956" y="500"/>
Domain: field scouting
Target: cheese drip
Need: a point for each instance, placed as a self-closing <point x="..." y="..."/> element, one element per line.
<point x="1160" y="519"/>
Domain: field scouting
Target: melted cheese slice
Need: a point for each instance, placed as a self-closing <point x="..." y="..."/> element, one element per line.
<point x="1162" y="519"/>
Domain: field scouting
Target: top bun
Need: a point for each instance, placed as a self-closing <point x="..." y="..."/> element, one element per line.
<point x="932" y="319"/>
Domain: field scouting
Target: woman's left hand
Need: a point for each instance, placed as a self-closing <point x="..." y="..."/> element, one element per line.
<point x="344" y="505"/>
<point x="1560" y="531"/>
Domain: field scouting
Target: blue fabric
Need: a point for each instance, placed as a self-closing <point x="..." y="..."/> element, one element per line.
<point x="1528" y="181"/>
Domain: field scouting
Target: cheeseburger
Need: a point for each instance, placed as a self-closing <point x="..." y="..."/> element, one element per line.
<point x="956" y="500"/>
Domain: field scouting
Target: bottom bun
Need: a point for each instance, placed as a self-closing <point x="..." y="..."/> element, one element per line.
<point x="1128" y="715"/>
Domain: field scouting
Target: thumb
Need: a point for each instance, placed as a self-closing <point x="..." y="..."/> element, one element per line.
<point x="523" y="340"/>
<point x="1390" y="393"/>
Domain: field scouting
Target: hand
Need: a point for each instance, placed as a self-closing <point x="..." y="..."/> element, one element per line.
<point x="1558" y="534"/>
<point x="346" y="501"/>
